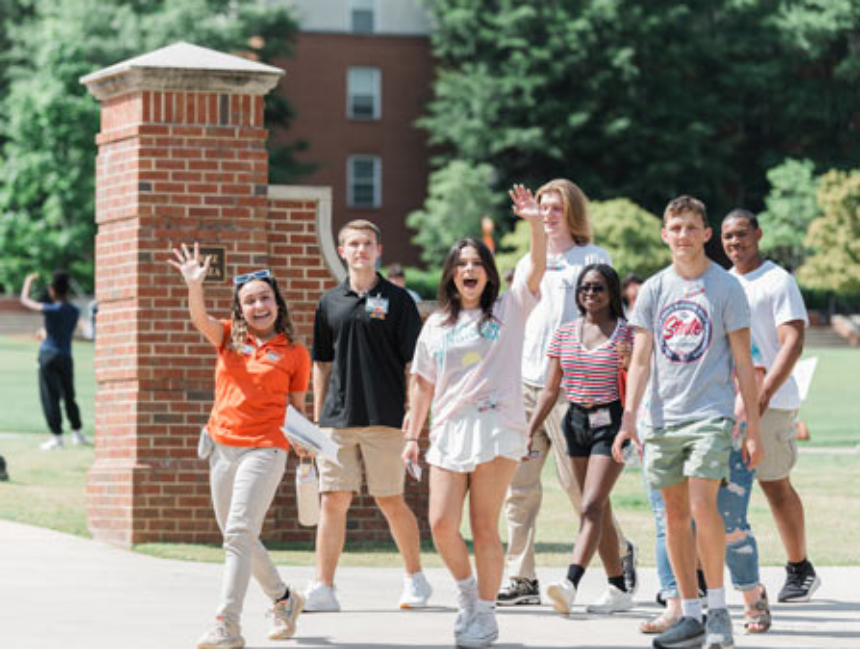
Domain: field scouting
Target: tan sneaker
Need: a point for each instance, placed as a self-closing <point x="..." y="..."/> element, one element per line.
<point x="284" y="615"/>
<point x="224" y="635"/>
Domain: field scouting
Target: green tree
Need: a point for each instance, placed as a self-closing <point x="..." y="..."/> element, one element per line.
<point x="645" y="99"/>
<point x="49" y="121"/>
<point x="792" y="204"/>
<point x="459" y="196"/>
<point x="835" y="235"/>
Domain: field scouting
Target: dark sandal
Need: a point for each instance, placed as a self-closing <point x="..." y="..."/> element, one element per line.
<point x="757" y="619"/>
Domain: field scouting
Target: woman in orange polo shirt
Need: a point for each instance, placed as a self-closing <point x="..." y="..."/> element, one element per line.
<point x="260" y="370"/>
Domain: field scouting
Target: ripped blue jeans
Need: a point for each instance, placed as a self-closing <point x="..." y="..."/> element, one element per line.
<point x="733" y="501"/>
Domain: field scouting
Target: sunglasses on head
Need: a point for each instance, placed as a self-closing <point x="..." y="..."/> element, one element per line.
<point x="592" y="288"/>
<point x="265" y="273"/>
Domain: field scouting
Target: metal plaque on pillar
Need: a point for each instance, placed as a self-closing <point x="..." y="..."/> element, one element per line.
<point x="218" y="265"/>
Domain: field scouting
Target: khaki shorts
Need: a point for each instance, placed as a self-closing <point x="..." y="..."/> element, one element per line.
<point x="375" y="451"/>
<point x="698" y="449"/>
<point x="778" y="438"/>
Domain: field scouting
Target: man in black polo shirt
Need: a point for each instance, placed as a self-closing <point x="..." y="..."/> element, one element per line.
<point x="365" y="332"/>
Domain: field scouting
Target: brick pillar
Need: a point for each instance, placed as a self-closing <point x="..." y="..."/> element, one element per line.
<point x="182" y="158"/>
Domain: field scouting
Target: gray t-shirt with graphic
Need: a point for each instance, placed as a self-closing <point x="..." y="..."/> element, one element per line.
<point x="691" y="365"/>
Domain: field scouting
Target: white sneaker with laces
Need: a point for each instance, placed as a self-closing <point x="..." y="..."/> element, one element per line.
<point x="224" y="635"/>
<point x="482" y="631"/>
<point x="320" y="598"/>
<point x="284" y="615"/>
<point x="562" y="593"/>
<point x="613" y="600"/>
<point x="53" y="444"/>
<point x="416" y="591"/>
<point x="78" y="439"/>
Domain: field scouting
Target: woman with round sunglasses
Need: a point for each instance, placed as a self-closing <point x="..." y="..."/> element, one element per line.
<point x="586" y="356"/>
<point x="260" y="370"/>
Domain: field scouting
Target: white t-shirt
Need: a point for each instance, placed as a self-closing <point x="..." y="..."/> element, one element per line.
<point x="557" y="305"/>
<point x="480" y="366"/>
<point x="774" y="299"/>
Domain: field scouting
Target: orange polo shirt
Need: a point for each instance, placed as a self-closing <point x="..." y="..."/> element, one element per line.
<point x="251" y="389"/>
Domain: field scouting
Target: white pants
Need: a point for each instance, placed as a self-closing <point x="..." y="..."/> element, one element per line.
<point x="243" y="483"/>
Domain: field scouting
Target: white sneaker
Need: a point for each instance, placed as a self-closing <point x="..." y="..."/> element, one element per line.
<point x="467" y="603"/>
<point x="320" y="598"/>
<point x="53" y="444"/>
<point x="613" y="600"/>
<point x="562" y="593"/>
<point x="224" y="635"/>
<point x="416" y="591"/>
<point x="78" y="439"/>
<point x="482" y="631"/>
<point x="284" y="615"/>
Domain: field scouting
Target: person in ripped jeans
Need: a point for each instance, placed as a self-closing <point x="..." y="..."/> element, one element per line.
<point x="260" y="370"/>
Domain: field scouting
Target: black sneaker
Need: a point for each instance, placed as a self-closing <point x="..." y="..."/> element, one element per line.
<point x="685" y="633"/>
<point x="519" y="591"/>
<point x="800" y="582"/>
<point x="4" y="475"/>
<point x="628" y="565"/>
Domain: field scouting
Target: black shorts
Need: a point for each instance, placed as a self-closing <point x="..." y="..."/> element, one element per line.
<point x="582" y="439"/>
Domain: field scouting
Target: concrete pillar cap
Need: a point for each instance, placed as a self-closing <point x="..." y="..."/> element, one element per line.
<point x="183" y="67"/>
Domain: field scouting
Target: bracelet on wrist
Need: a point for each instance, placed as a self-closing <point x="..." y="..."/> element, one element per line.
<point x="410" y="439"/>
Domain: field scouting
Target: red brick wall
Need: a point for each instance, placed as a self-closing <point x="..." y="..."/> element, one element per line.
<point x="184" y="167"/>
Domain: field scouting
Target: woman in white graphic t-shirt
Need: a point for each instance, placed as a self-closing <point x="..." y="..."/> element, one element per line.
<point x="467" y="368"/>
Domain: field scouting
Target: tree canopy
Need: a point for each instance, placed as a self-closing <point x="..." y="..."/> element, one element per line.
<point x="49" y="121"/>
<point x="646" y="99"/>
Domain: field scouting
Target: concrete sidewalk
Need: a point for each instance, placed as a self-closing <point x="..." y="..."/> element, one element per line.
<point x="58" y="590"/>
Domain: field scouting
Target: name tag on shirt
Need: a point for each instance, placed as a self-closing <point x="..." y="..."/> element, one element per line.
<point x="599" y="418"/>
<point x="377" y="307"/>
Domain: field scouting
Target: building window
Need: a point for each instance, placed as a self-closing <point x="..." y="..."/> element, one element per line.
<point x="364" y="93"/>
<point x="364" y="181"/>
<point x="362" y="16"/>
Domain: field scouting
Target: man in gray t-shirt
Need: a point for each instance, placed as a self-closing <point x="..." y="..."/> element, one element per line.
<point x="692" y="330"/>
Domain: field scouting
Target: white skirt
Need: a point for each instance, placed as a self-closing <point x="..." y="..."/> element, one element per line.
<point x="473" y="438"/>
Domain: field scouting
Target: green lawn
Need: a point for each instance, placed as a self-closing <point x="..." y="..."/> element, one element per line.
<point x="47" y="489"/>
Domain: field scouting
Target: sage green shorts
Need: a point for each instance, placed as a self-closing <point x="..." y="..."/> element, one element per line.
<point x="696" y="449"/>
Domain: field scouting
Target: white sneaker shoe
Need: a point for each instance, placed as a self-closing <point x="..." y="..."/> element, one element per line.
<point x="224" y="635"/>
<point x="416" y="591"/>
<point x="613" y="600"/>
<point x="284" y="615"/>
<point x="467" y="603"/>
<point x="320" y="598"/>
<point x="562" y="593"/>
<point x="53" y="444"/>
<point x="482" y="631"/>
<point x="78" y="439"/>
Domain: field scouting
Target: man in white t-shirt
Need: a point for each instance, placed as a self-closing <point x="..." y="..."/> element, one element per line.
<point x="564" y="208"/>
<point x="778" y="322"/>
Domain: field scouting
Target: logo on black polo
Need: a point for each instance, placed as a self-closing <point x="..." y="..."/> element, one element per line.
<point x="685" y="331"/>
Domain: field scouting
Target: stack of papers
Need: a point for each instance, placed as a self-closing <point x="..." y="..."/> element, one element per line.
<point x="298" y="430"/>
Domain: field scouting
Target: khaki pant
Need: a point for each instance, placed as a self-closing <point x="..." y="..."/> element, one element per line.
<point x="526" y="492"/>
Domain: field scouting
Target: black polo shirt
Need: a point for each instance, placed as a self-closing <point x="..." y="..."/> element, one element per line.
<point x="369" y="340"/>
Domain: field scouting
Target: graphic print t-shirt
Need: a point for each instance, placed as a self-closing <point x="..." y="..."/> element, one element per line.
<point x="691" y="363"/>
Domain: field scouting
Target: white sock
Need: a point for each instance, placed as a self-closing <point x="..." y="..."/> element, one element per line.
<point x="716" y="598"/>
<point x="468" y="585"/>
<point x="692" y="608"/>
<point x="486" y="606"/>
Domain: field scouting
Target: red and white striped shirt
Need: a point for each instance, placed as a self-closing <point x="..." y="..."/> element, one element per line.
<point x="590" y="376"/>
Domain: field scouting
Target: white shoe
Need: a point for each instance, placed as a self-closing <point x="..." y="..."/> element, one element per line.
<point x="562" y="593"/>
<point x="320" y="598"/>
<point x="416" y="591"/>
<point x="482" y="631"/>
<point x="467" y="603"/>
<point x="78" y="439"/>
<point x="284" y="615"/>
<point x="53" y="444"/>
<point x="224" y="635"/>
<point x="613" y="600"/>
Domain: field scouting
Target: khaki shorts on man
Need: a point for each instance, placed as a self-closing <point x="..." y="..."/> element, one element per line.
<point x="372" y="451"/>
<point x="698" y="449"/>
